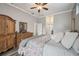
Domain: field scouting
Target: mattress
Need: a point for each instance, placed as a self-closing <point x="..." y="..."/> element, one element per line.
<point x="52" y="48"/>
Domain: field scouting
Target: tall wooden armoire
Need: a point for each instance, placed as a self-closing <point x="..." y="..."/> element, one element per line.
<point x="7" y="33"/>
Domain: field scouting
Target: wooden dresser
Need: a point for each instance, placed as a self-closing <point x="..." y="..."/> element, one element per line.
<point x="7" y="33"/>
<point x="22" y="36"/>
<point x="8" y="37"/>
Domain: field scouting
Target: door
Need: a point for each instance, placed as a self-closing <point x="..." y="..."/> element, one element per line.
<point x="10" y="30"/>
<point x="39" y="29"/>
<point x="10" y="25"/>
<point x="2" y="24"/>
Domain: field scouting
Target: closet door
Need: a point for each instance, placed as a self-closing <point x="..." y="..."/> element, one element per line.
<point x="2" y="24"/>
<point x="2" y="32"/>
<point x="3" y="42"/>
<point x="10" y="31"/>
<point x="10" y="41"/>
<point x="10" y="25"/>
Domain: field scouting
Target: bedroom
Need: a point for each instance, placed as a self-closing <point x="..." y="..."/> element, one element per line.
<point x="26" y="24"/>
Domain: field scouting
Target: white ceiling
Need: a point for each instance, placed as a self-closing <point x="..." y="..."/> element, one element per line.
<point x="52" y="8"/>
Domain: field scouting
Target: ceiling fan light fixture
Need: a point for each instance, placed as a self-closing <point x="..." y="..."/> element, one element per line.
<point x="40" y="6"/>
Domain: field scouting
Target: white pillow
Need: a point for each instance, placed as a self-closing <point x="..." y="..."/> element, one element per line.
<point x="76" y="45"/>
<point x="69" y="39"/>
<point x="57" y="37"/>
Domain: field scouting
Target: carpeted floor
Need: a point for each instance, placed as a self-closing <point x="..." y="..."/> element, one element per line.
<point x="10" y="52"/>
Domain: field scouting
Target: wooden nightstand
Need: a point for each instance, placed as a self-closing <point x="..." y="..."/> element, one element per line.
<point x="22" y="36"/>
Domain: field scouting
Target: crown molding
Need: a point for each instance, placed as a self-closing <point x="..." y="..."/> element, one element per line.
<point x="62" y="12"/>
<point x="57" y="13"/>
<point x="27" y="12"/>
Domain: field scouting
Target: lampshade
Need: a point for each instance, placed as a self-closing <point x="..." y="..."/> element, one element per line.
<point x="49" y="20"/>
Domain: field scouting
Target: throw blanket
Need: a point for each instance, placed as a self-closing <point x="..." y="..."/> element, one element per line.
<point x="34" y="47"/>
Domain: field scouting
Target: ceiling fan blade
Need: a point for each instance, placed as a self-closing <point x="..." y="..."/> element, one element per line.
<point x="32" y="7"/>
<point x="37" y="3"/>
<point x="45" y="8"/>
<point x="44" y="4"/>
<point x="39" y="10"/>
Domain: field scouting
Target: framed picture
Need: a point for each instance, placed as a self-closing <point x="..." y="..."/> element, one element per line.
<point x="22" y="27"/>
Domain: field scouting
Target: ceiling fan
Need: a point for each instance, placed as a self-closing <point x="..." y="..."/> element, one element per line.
<point x="40" y="6"/>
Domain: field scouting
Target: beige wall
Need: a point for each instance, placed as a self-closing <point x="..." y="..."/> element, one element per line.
<point x="61" y="23"/>
<point x="77" y="22"/>
<point x="77" y="18"/>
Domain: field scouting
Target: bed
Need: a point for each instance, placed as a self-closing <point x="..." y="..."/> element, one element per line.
<point x="45" y="46"/>
<point x="56" y="49"/>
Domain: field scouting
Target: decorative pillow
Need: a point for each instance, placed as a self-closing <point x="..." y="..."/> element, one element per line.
<point x="57" y="37"/>
<point x="69" y="39"/>
<point x="76" y="45"/>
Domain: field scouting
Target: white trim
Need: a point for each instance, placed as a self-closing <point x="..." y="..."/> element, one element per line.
<point x="28" y="12"/>
<point x="57" y="13"/>
<point x="63" y="12"/>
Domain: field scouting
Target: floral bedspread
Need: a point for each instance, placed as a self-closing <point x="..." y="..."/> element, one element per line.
<point x="34" y="47"/>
